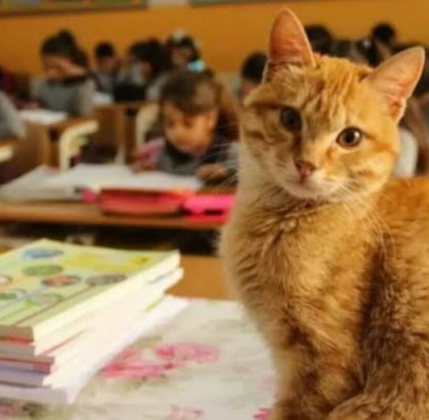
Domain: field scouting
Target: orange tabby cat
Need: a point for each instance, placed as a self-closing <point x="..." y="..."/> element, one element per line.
<point x="330" y="258"/>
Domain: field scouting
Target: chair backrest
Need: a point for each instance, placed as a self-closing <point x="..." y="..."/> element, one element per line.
<point x="145" y="119"/>
<point x="73" y="139"/>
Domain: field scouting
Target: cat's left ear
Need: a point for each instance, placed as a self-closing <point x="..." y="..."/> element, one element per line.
<point x="288" y="44"/>
<point x="397" y="78"/>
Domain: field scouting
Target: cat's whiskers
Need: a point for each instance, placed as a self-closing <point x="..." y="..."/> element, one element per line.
<point x="225" y="185"/>
<point x="229" y="125"/>
<point x="220" y="151"/>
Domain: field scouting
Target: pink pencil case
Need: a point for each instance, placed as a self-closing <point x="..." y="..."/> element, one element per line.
<point x="208" y="204"/>
<point x="139" y="203"/>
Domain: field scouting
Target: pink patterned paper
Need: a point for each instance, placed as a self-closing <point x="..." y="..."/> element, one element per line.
<point x="183" y="413"/>
<point x="10" y="411"/>
<point x="132" y="364"/>
<point x="188" y="352"/>
<point x="262" y="414"/>
<point x="209" y="363"/>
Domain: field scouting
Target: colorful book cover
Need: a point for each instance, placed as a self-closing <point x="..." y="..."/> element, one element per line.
<point x="49" y="279"/>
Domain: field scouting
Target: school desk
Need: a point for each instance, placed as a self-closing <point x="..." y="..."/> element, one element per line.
<point x="207" y="363"/>
<point x="38" y="147"/>
<point x="27" y="153"/>
<point x="88" y="214"/>
<point x="20" y="156"/>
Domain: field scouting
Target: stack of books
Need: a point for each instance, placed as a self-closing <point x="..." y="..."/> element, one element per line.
<point x="66" y="310"/>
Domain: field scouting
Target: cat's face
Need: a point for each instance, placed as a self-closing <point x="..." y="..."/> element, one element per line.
<point x="321" y="132"/>
<point x="324" y="128"/>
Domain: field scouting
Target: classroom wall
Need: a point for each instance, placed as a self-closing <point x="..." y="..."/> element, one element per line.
<point x="227" y="32"/>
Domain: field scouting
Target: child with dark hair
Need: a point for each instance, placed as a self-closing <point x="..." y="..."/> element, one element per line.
<point x="321" y="39"/>
<point x="185" y="53"/>
<point x="190" y="106"/>
<point x="385" y="34"/>
<point x="252" y="72"/>
<point x="107" y="67"/>
<point x="147" y="67"/>
<point x="67" y="86"/>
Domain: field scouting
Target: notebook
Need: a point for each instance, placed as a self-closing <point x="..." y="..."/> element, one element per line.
<point x="48" y="184"/>
<point x="57" y="346"/>
<point x="68" y="391"/>
<point x="97" y="177"/>
<point x="91" y="343"/>
<point x="47" y="285"/>
<point x="32" y="187"/>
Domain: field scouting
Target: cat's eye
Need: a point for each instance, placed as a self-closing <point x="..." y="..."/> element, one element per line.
<point x="290" y="119"/>
<point x="350" y="137"/>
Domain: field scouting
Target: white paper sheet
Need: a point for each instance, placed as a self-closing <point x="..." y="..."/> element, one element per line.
<point x="42" y="116"/>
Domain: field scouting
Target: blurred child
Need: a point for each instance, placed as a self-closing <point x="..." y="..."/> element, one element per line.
<point x="67" y="86"/>
<point x="107" y="67"/>
<point x="252" y="72"/>
<point x="185" y="53"/>
<point x="147" y="69"/>
<point x="190" y="108"/>
<point x="385" y="34"/>
<point x="321" y="39"/>
<point x="10" y="123"/>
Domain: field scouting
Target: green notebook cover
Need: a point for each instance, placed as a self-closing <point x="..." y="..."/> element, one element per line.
<point x="48" y="280"/>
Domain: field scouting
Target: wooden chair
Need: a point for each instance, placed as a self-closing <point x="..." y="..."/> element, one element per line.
<point x="7" y="149"/>
<point x="145" y="120"/>
<point x="73" y="139"/>
<point x="41" y="146"/>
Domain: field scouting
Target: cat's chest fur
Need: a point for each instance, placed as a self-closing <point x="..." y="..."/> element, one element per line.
<point x="298" y="274"/>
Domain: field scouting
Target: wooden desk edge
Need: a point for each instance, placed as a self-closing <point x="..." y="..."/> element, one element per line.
<point x="90" y="215"/>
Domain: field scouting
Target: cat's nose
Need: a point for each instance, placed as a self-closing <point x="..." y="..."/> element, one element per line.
<point x="304" y="168"/>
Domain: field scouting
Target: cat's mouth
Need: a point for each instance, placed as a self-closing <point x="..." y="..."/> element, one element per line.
<point x="309" y="188"/>
<point x="317" y="186"/>
<point x="306" y="189"/>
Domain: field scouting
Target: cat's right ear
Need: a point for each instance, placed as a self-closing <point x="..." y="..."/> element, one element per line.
<point x="396" y="79"/>
<point x="288" y="44"/>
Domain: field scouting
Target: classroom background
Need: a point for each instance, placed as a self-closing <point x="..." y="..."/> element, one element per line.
<point x="119" y="165"/>
<point x="146" y="95"/>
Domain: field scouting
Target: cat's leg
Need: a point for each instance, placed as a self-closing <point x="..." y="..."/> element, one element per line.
<point x="397" y="392"/>
<point x="396" y="351"/>
<point x="289" y="388"/>
<point x="300" y="385"/>
<point x="370" y="407"/>
<point x="286" y="365"/>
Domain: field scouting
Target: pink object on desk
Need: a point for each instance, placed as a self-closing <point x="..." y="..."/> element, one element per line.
<point x="149" y="152"/>
<point x="137" y="203"/>
<point x="209" y="204"/>
<point x="202" y="208"/>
